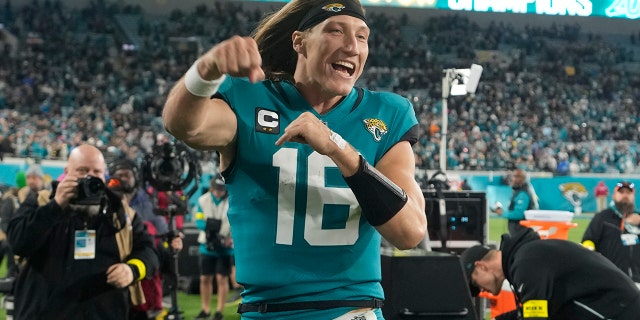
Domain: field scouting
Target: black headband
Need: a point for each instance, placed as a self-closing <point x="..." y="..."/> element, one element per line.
<point x="329" y="9"/>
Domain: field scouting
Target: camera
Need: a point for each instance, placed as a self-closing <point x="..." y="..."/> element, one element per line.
<point x="90" y="191"/>
<point x="7" y="285"/>
<point x="215" y="241"/>
<point x="171" y="167"/>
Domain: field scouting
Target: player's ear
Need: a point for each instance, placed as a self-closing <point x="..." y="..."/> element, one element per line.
<point x="297" y="38"/>
<point x="480" y="265"/>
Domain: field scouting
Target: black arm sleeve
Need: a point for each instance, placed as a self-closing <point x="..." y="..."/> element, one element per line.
<point x="7" y="210"/>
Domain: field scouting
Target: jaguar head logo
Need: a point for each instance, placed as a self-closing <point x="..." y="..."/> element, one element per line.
<point x="376" y="127"/>
<point x="575" y="192"/>
<point x="334" y="7"/>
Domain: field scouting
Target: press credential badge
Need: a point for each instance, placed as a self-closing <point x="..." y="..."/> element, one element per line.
<point x="629" y="239"/>
<point x="85" y="244"/>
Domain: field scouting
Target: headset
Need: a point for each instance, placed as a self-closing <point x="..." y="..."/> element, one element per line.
<point x="126" y="164"/>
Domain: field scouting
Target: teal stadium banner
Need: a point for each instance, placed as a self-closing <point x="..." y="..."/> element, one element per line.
<point x="566" y="193"/>
<point x="9" y="171"/>
<point x="626" y="9"/>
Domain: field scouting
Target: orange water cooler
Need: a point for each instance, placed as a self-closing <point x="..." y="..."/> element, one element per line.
<point x="549" y="224"/>
<point x="505" y="301"/>
<point x="550" y="229"/>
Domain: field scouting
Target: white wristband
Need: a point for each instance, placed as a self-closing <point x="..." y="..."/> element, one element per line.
<point x="337" y="139"/>
<point x="198" y="86"/>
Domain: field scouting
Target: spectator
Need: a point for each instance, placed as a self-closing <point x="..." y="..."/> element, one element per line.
<point x="614" y="231"/>
<point x="465" y="185"/>
<point x="172" y="204"/>
<point x="34" y="178"/>
<point x="54" y="110"/>
<point x="5" y="147"/>
<point x="216" y="247"/>
<point x="324" y="181"/>
<point x="8" y="206"/>
<point x="81" y="253"/>
<point x="72" y="97"/>
<point x="552" y="279"/>
<point x="601" y="192"/>
<point x="21" y="180"/>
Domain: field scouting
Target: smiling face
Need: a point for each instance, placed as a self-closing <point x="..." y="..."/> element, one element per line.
<point x="331" y="55"/>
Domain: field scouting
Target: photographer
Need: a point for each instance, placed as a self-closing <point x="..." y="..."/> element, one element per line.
<point x="83" y="247"/>
<point x="125" y="174"/>
<point x="216" y="246"/>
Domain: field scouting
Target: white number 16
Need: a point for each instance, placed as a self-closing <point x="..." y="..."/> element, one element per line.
<point x="318" y="195"/>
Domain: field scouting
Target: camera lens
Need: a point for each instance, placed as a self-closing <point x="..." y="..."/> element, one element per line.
<point x="90" y="191"/>
<point x="95" y="186"/>
<point x="166" y="168"/>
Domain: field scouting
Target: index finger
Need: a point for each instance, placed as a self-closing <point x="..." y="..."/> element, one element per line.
<point x="111" y="268"/>
<point x="256" y="74"/>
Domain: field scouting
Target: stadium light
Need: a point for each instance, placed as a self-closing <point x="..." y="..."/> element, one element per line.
<point x="463" y="81"/>
<point x="455" y="82"/>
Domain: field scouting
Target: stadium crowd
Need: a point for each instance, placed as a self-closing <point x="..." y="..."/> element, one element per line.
<point x="552" y="99"/>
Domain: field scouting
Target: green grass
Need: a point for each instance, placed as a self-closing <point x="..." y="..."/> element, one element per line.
<point x="189" y="304"/>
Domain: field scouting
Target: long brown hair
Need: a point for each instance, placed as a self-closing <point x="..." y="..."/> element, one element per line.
<point x="273" y="36"/>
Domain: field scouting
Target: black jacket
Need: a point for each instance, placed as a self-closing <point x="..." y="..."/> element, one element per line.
<point x="604" y="231"/>
<point x="53" y="284"/>
<point x="574" y="282"/>
<point x="7" y="210"/>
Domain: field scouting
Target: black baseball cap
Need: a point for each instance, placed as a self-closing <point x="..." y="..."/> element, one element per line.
<point x="625" y="184"/>
<point x="468" y="259"/>
<point x="218" y="182"/>
<point x="122" y="164"/>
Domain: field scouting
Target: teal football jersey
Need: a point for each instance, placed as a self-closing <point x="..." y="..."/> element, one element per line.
<point x="297" y="227"/>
